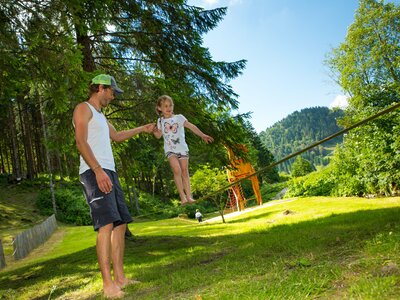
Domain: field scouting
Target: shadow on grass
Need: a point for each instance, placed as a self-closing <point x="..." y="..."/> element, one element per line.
<point x="254" y="216"/>
<point x="159" y="260"/>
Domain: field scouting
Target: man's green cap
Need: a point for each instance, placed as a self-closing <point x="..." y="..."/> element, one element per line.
<point x="107" y="80"/>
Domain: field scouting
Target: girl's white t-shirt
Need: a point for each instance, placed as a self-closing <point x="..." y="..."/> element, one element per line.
<point x="173" y="132"/>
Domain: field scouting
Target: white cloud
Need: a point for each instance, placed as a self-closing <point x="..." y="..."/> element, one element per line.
<point x="210" y="2"/>
<point x="340" y="101"/>
<point x="214" y="3"/>
<point x="234" y="2"/>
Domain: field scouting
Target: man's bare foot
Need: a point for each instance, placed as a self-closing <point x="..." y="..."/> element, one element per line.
<point x="113" y="292"/>
<point x="191" y="201"/>
<point x="127" y="282"/>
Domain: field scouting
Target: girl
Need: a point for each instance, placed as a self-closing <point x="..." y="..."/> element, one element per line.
<point x="171" y="127"/>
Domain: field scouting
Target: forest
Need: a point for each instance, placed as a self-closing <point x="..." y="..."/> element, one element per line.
<point x="49" y="52"/>
<point x="300" y="129"/>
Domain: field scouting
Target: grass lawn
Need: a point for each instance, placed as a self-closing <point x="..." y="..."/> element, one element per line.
<point x="325" y="248"/>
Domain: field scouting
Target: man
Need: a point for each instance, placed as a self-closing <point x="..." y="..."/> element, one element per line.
<point x="100" y="181"/>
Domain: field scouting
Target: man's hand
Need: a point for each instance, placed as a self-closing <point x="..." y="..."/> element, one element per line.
<point x="149" y="128"/>
<point x="103" y="181"/>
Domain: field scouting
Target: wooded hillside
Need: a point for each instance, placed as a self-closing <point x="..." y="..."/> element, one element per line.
<point x="300" y="129"/>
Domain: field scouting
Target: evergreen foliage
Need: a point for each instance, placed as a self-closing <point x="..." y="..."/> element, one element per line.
<point x="301" y="167"/>
<point x="300" y="129"/>
<point x="262" y="157"/>
<point x="51" y="49"/>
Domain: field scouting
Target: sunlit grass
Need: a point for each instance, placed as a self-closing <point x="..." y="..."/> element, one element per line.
<point x="308" y="248"/>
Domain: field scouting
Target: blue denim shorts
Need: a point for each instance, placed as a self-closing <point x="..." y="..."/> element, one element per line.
<point x="105" y="208"/>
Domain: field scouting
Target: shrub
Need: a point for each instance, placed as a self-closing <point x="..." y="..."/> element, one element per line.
<point x="301" y="167"/>
<point x="206" y="180"/>
<point x="319" y="183"/>
<point x="152" y="208"/>
<point x="71" y="206"/>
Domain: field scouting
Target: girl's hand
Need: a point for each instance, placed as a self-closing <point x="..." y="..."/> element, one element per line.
<point x="208" y="139"/>
<point x="149" y="127"/>
<point x="157" y="132"/>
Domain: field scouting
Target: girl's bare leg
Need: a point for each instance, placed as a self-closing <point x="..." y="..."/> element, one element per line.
<point x="184" y="164"/>
<point x="176" y="169"/>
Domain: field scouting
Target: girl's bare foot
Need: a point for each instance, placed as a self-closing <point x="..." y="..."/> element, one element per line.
<point x="188" y="202"/>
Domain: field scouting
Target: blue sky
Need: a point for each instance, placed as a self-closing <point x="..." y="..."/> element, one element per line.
<point x="285" y="43"/>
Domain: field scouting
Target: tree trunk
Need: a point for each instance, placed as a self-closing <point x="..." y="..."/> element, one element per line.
<point x="84" y="41"/>
<point x="36" y="124"/>
<point x="65" y="163"/>
<point x="53" y="198"/>
<point x="220" y="204"/>
<point x="129" y="193"/>
<point x="59" y="166"/>
<point x="136" y="200"/>
<point x="16" y="168"/>
<point x="24" y="121"/>
<point x="3" y="158"/>
<point x="30" y="162"/>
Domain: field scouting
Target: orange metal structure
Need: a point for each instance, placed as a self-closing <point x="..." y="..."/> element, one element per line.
<point x="240" y="169"/>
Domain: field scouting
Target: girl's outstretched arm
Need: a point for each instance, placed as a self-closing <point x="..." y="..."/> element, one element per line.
<point x="197" y="131"/>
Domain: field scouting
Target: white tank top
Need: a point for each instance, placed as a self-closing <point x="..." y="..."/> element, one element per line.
<point x="99" y="141"/>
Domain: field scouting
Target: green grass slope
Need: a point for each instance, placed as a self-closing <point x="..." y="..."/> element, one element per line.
<point x="325" y="248"/>
<point x="17" y="213"/>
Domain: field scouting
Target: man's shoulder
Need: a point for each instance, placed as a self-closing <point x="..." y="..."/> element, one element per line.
<point x="82" y="106"/>
<point x="82" y="110"/>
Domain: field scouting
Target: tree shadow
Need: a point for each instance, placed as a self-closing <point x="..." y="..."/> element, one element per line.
<point x="156" y="260"/>
<point x="254" y="216"/>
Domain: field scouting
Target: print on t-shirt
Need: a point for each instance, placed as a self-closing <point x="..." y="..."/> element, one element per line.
<point x="173" y="131"/>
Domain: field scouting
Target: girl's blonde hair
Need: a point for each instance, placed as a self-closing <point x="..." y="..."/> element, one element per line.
<point x="160" y="101"/>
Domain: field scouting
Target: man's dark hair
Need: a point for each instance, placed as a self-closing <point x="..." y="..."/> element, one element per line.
<point x="94" y="88"/>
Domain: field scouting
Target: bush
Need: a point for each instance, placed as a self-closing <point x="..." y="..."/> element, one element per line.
<point x="283" y="177"/>
<point x="320" y="183"/>
<point x="153" y="208"/>
<point x="207" y="180"/>
<point x="71" y="206"/>
<point x="301" y="167"/>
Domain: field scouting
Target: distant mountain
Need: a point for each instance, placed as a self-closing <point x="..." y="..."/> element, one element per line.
<point x="301" y="129"/>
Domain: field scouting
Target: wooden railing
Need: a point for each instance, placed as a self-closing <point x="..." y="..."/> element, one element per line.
<point x="28" y="240"/>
